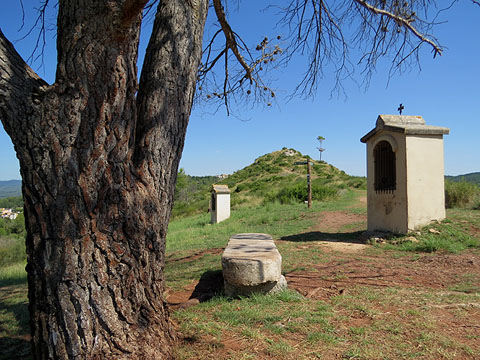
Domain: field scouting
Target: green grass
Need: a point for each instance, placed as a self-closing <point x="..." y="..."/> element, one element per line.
<point x="188" y="236"/>
<point x="196" y="232"/>
<point x="13" y="274"/>
<point x="452" y="235"/>
<point x="14" y="318"/>
<point x="288" y="326"/>
<point x="12" y="250"/>
<point x="262" y="318"/>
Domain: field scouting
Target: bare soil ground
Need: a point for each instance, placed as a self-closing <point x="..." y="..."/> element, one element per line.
<point x="354" y="265"/>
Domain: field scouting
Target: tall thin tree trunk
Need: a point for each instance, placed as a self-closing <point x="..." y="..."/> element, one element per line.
<point x="99" y="165"/>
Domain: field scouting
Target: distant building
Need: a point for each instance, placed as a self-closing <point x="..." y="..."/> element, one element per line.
<point x="8" y="214"/>
<point x="223" y="176"/>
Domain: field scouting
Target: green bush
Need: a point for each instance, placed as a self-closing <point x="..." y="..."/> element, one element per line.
<point x="298" y="193"/>
<point x="15" y="202"/>
<point x="281" y="161"/>
<point x="184" y="209"/>
<point x="13" y="227"/>
<point x="357" y="183"/>
<point x="12" y="250"/>
<point x="241" y="187"/>
<point x="461" y="194"/>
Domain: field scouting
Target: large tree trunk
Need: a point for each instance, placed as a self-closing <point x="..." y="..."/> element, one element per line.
<point x="99" y="165"/>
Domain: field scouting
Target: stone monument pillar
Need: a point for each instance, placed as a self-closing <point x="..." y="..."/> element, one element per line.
<point x="220" y="203"/>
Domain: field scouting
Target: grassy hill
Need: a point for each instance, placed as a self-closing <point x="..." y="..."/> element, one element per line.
<point x="273" y="177"/>
<point x="10" y="188"/>
<point x="270" y="174"/>
<point x="471" y="177"/>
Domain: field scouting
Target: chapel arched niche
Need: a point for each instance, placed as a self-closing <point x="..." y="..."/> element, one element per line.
<point x="385" y="167"/>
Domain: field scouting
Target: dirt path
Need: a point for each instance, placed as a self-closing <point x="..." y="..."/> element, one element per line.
<point x="333" y="222"/>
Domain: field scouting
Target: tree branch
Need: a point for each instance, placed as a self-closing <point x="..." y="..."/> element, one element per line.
<point x="230" y="37"/>
<point x="21" y="89"/>
<point x="407" y="22"/>
<point x="242" y="70"/>
<point x="40" y="42"/>
<point x="131" y="9"/>
<point x="166" y="89"/>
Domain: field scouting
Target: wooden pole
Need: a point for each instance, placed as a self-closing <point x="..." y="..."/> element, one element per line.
<point x="309" y="185"/>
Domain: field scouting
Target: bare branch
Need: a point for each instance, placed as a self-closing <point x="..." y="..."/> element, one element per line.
<point x="407" y="22"/>
<point x="23" y="16"/>
<point x="242" y="69"/>
<point x="230" y="37"/>
<point x="41" y="41"/>
<point x="325" y="33"/>
<point x="316" y="31"/>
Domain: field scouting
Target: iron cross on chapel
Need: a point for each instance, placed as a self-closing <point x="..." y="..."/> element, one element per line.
<point x="400" y="109"/>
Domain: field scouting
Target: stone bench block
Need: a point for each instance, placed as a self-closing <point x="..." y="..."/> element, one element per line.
<point x="251" y="263"/>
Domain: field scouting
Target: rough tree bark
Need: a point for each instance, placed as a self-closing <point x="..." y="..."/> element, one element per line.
<point x="99" y="165"/>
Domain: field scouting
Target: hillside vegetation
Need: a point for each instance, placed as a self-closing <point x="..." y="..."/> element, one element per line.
<point x="191" y="193"/>
<point x="471" y="178"/>
<point x="462" y="194"/>
<point x="273" y="177"/>
<point x="14" y="202"/>
<point x="12" y="241"/>
<point x="10" y="188"/>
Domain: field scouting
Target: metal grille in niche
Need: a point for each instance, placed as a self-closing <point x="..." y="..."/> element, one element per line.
<point x="385" y="172"/>
<point x="214" y="202"/>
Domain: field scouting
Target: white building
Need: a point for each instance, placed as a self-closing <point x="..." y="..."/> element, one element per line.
<point x="8" y="214"/>
<point x="405" y="173"/>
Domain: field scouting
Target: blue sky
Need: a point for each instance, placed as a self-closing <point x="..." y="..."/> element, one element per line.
<point x="446" y="92"/>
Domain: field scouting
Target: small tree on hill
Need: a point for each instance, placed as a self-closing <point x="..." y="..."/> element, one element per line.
<point x="320" y="148"/>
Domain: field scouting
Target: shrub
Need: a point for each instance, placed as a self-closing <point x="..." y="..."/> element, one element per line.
<point x="12" y="250"/>
<point x="236" y="202"/>
<point x="298" y="193"/>
<point x="15" y="202"/>
<point x="241" y="187"/>
<point x="461" y="194"/>
<point x="184" y="209"/>
<point x="357" y="183"/>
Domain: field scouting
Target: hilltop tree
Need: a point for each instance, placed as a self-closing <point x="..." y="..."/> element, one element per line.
<point x="99" y="152"/>
<point x="320" y="148"/>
